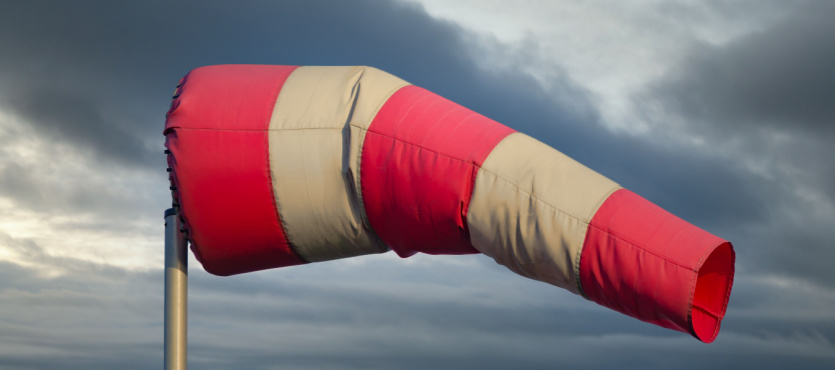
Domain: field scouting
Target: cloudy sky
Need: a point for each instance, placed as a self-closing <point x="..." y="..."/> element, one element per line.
<point x="722" y="112"/>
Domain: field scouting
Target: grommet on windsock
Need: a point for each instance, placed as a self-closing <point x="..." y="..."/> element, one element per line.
<point x="277" y="166"/>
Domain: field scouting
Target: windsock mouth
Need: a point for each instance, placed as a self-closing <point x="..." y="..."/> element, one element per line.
<point x="711" y="294"/>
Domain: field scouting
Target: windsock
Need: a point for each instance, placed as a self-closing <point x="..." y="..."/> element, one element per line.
<point x="274" y="166"/>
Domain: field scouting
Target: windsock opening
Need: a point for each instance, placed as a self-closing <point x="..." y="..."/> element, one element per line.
<point x="713" y="289"/>
<point x="644" y="262"/>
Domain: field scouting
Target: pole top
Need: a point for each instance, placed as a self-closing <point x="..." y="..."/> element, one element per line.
<point x="170" y="212"/>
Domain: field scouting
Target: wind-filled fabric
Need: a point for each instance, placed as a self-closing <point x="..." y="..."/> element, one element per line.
<point x="274" y="166"/>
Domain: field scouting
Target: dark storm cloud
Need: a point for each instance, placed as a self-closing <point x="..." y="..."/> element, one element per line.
<point x="782" y="77"/>
<point x="64" y="116"/>
<point x="98" y="65"/>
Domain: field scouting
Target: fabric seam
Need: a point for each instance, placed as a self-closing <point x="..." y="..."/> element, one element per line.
<point x="579" y="255"/>
<point x="272" y="184"/>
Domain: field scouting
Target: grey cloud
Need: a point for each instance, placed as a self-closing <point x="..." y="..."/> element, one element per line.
<point x="79" y="320"/>
<point x="814" y="240"/>
<point x="66" y="117"/>
<point x="20" y="185"/>
<point x="32" y="253"/>
<point x="30" y="184"/>
<point x="782" y="77"/>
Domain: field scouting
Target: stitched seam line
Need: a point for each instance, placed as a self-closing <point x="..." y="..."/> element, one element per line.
<point x="519" y="188"/>
<point x="358" y="181"/>
<point x="641" y="248"/>
<point x="381" y="103"/>
<point x="579" y="255"/>
<point x="278" y="217"/>
<point x="423" y="148"/>
<point x="254" y="130"/>
<point x="363" y="131"/>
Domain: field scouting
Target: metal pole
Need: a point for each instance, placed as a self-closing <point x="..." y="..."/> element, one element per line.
<point x="176" y="293"/>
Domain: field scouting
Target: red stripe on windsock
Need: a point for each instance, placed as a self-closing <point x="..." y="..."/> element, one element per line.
<point x="649" y="264"/>
<point x="419" y="161"/>
<point x="217" y="134"/>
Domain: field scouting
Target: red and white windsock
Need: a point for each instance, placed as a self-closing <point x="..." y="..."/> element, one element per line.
<point x="275" y="166"/>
